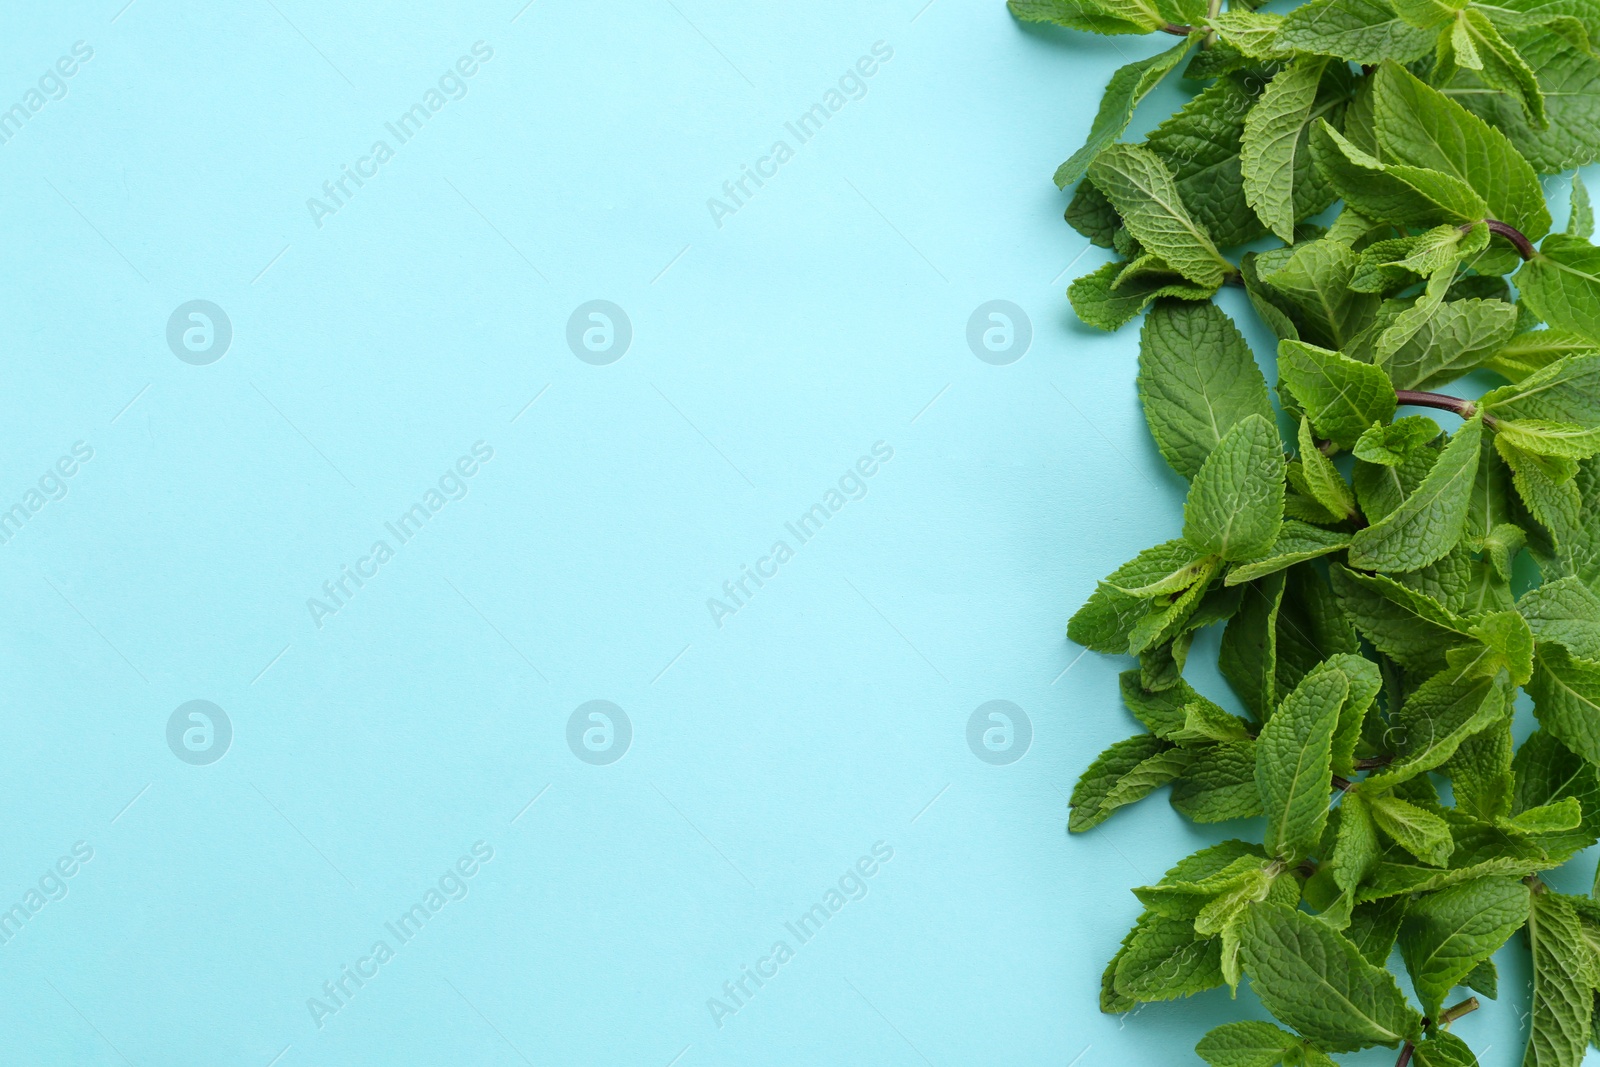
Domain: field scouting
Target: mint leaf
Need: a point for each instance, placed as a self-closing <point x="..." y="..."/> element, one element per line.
<point x="1580" y="222"/>
<point x="1409" y="627"/>
<point x="1219" y="784"/>
<point x="1088" y="801"/>
<point x="1340" y="396"/>
<point x="1473" y="42"/>
<point x="1103" y="299"/>
<point x="1362" y="31"/>
<point x="1296" y="542"/>
<point x="1444" y="711"/>
<point x="1145" y="194"/>
<point x="1235" y="505"/>
<point x="1395" y="193"/>
<point x="1444" y="1049"/>
<point x="1566" y="699"/>
<point x="1164" y="960"/>
<point x="1272" y="136"/>
<point x="1569" y="78"/>
<point x="1455" y="339"/>
<point x="1421" y="127"/>
<point x="1197" y="380"/>
<point x="1565" y="612"/>
<point x="1294" y="768"/>
<point x="1562" y="284"/>
<point x="1128" y="86"/>
<point x="1246" y="1044"/>
<point x="1091" y="17"/>
<point x="1446" y="934"/>
<point x="1563" y="984"/>
<point x="1416" y="829"/>
<point x="1547" y="775"/>
<point x="1431" y="520"/>
<point x="1314" y="980"/>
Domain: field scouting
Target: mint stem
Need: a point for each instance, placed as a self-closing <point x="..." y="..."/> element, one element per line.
<point x="1450" y="1015"/>
<point x="1514" y="235"/>
<point x="1177" y="30"/>
<point x="1405" y="1055"/>
<point x="1465" y="408"/>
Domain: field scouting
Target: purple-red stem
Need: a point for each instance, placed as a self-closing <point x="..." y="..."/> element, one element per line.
<point x="1465" y="408"/>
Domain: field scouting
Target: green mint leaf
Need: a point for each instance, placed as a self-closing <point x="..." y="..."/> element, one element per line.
<point x="1444" y="1049"/>
<point x="1481" y="775"/>
<point x="1101" y="302"/>
<point x="1454" y="339"/>
<point x="1197" y="379"/>
<point x="1395" y="193"/>
<point x="1272" y="138"/>
<point x="1164" y="960"/>
<point x="1374" y="927"/>
<point x="1409" y="627"/>
<point x="1294" y="768"/>
<point x="1446" y="934"/>
<point x="1252" y="33"/>
<point x="1128" y="86"/>
<point x="1474" y="43"/>
<point x="1541" y="437"/>
<point x="1444" y="711"/>
<point x="1426" y="14"/>
<point x="1246" y="1044"/>
<point x="1092" y="215"/>
<point x="1200" y="146"/>
<point x="1505" y="643"/>
<point x="1562" y="284"/>
<point x="1527" y="353"/>
<point x="1144" y="778"/>
<point x="1315" y="980"/>
<point x="1163" y="712"/>
<point x="1341" y="397"/>
<point x="1312" y="279"/>
<point x="1362" y="31"/>
<point x="1091" y="17"/>
<point x="1235" y="505"/>
<point x="1108" y="618"/>
<point x="1356" y="848"/>
<point x="1563" y="984"/>
<point x="1567" y="391"/>
<point x="1481" y="849"/>
<point x="1415" y="829"/>
<point x="1248" y="658"/>
<point x="1389" y="445"/>
<point x="1219" y="785"/>
<point x="1580" y="222"/>
<point x="1088" y="801"/>
<point x="1564" y="612"/>
<point x="1431" y="520"/>
<point x="1569" y="77"/>
<point x="1326" y="484"/>
<point x="1547" y="487"/>
<point x="1566" y="699"/>
<point x="1296" y="542"/>
<point x="1548" y="818"/>
<point x="1145" y="194"/>
<point x="1421" y="127"/>
<point x="1549" y="774"/>
<point x="1165" y="622"/>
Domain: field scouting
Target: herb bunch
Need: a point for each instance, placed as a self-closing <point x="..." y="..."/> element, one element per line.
<point x="1385" y="588"/>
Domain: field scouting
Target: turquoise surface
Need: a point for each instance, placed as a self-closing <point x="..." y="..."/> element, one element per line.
<point x="311" y="417"/>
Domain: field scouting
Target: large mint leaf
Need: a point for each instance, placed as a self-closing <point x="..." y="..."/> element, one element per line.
<point x="1362" y="31"/>
<point x="1569" y="78"/>
<point x="1455" y="339"/>
<point x="1296" y="542"/>
<point x="1341" y="396"/>
<point x="1144" y="193"/>
<point x="1105" y="622"/>
<point x="1434" y="721"/>
<point x="1294" y="762"/>
<point x="1088" y="16"/>
<point x="1405" y="625"/>
<point x="1109" y="298"/>
<point x="1128" y="86"/>
<point x="1164" y="960"/>
<point x="1430" y="521"/>
<point x="1197" y="379"/>
<point x="1565" y="612"/>
<point x="1548" y="773"/>
<point x="1563" y="984"/>
<point x="1200" y="146"/>
<point x="1562" y="284"/>
<point x="1235" y="504"/>
<point x="1272" y="139"/>
<point x="1566" y="700"/>
<point x="1446" y="934"/>
<point x="1395" y="193"/>
<point x="1474" y="42"/>
<point x="1421" y="127"/>
<point x="1313" y="281"/>
<point x="1088" y="804"/>
<point x="1219" y="784"/>
<point x="1314" y="980"/>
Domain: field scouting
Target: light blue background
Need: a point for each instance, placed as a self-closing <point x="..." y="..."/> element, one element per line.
<point x="769" y="353"/>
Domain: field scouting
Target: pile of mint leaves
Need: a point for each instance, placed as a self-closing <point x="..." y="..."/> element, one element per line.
<point x="1388" y="585"/>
